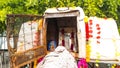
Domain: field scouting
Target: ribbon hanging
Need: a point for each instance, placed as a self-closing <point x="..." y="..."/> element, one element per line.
<point x="72" y="41"/>
<point x="63" y="41"/>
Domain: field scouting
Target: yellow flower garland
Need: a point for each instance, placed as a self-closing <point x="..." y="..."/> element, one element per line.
<point x="88" y="51"/>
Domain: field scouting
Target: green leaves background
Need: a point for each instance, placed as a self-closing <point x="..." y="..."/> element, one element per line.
<point x="99" y="8"/>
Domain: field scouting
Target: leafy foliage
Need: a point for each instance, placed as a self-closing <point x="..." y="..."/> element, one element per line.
<point x="99" y="8"/>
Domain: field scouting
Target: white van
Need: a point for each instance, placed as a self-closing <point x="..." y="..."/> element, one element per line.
<point x="103" y="34"/>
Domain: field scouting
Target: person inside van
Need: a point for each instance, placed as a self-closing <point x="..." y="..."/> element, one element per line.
<point x="52" y="45"/>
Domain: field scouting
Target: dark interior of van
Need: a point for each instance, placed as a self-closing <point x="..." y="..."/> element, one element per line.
<point x="54" y="26"/>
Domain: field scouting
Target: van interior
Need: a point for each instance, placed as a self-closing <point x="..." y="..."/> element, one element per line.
<point x="54" y="27"/>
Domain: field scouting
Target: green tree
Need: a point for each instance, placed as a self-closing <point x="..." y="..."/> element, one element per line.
<point x="99" y="8"/>
<point x="103" y="8"/>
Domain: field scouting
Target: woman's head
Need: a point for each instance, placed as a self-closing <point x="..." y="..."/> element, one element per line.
<point x="52" y="46"/>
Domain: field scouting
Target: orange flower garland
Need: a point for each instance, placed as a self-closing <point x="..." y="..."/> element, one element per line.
<point x="98" y="42"/>
<point x="88" y="47"/>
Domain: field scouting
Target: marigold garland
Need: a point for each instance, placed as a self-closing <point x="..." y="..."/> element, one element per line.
<point x="88" y="35"/>
<point x="98" y="42"/>
<point x="88" y="51"/>
<point x="113" y="66"/>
